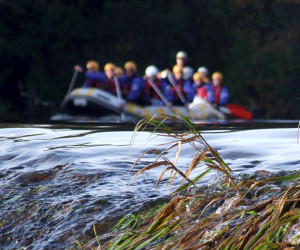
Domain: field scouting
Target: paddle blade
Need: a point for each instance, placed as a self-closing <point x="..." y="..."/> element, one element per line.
<point x="237" y="111"/>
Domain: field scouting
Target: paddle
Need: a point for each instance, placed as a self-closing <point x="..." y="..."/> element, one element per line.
<point x="181" y="97"/>
<point x="119" y="94"/>
<point x="239" y="112"/>
<point x="71" y="85"/>
<point x="160" y="94"/>
<point x="172" y="81"/>
<point x="157" y="90"/>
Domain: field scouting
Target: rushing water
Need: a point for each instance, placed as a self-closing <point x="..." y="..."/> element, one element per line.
<point x="57" y="181"/>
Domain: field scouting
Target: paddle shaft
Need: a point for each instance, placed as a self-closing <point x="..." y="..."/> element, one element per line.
<point x="119" y="94"/>
<point x="172" y="81"/>
<point x="118" y="88"/>
<point x="157" y="90"/>
<point x="72" y="83"/>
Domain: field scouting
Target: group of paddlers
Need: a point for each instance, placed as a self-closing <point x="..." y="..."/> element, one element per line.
<point x="179" y="87"/>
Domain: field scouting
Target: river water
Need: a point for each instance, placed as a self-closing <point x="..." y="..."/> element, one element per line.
<point x="58" y="180"/>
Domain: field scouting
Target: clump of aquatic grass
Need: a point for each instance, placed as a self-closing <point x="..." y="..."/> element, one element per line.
<point x="206" y="220"/>
<point x="257" y="212"/>
<point x="204" y="153"/>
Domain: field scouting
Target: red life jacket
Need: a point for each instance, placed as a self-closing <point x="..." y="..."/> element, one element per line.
<point x="126" y="87"/>
<point x="179" y="87"/>
<point x="111" y="86"/>
<point x="201" y="92"/>
<point x="95" y="84"/>
<point x="150" y="92"/>
<point x="216" y="91"/>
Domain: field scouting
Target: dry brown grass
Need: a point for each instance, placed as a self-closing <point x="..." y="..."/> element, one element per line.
<point x="261" y="212"/>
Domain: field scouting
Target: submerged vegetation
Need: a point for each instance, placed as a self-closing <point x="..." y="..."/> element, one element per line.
<point x="249" y="211"/>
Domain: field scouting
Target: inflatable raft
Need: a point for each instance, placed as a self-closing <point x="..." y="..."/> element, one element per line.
<point x="95" y="102"/>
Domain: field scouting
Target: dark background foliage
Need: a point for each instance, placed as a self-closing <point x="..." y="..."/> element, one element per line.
<point x="254" y="43"/>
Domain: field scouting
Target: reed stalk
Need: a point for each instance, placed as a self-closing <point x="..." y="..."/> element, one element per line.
<point x="257" y="212"/>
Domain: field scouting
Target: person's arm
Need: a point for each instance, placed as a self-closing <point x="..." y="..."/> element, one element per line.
<point x="78" y="68"/>
<point x="98" y="76"/>
<point x="122" y="79"/>
<point x="166" y="88"/>
<point x="224" y="96"/>
<point x="166" y="92"/>
<point x="210" y="94"/>
<point x="189" y="91"/>
<point x="137" y="87"/>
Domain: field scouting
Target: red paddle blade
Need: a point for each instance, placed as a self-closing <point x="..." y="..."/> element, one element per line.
<point x="237" y="111"/>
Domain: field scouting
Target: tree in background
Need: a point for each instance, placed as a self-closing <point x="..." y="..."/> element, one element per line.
<point x="255" y="43"/>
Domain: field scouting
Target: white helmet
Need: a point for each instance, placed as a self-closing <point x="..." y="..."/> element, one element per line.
<point x="187" y="73"/>
<point x="151" y="71"/>
<point x="203" y="69"/>
<point x="181" y="54"/>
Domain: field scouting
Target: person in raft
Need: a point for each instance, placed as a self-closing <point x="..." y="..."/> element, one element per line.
<point x="109" y="71"/>
<point x="182" y="86"/>
<point x="152" y="96"/>
<point x="132" y="85"/>
<point x="217" y="94"/>
<point x="203" y="71"/>
<point x="200" y="87"/>
<point x="119" y="72"/>
<point x="188" y="74"/>
<point x="94" y="77"/>
<point x="181" y="58"/>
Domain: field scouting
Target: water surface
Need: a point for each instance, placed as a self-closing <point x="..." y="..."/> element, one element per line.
<point x="57" y="181"/>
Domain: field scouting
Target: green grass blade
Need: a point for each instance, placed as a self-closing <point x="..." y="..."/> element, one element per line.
<point x="152" y="226"/>
<point x="275" y="235"/>
<point x="125" y="243"/>
<point x="188" y="123"/>
<point x="259" y="233"/>
<point x="252" y="213"/>
<point x="292" y="177"/>
<point x="129" y="221"/>
<point x="156" y="236"/>
<point x="132" y="217"/>
<point x="119" y="222"/>
<point x="116" y="243"/>
<point x="185" y="186"/>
